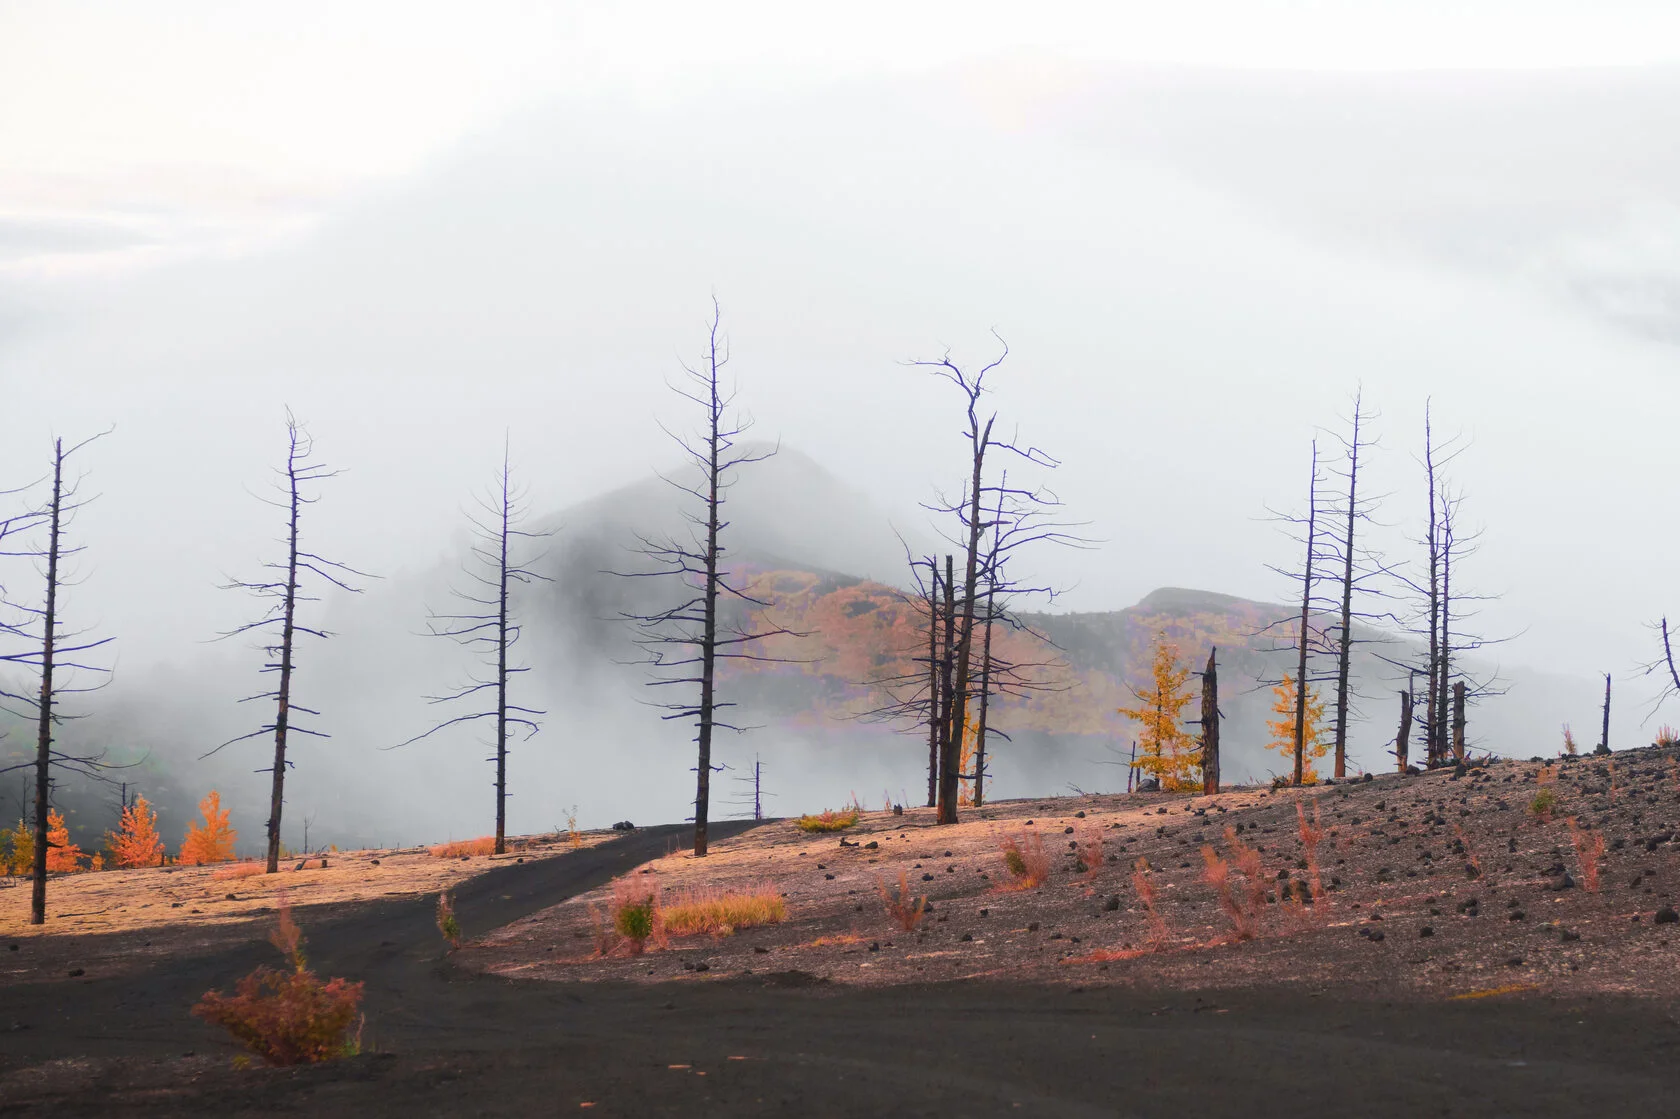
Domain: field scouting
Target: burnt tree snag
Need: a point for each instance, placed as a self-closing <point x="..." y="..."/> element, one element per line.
<point x="54" y="653"/>
<point x="1604" y="738"/>
<point x="285" y="591"/>
<point x="1210" y="724"/>
<point x="691" y="637"/>
<point x="1302" y="688"/>
<point x="486" y="624"/>
<point x="1458" y="721"/>
<point x="1402" y="740"/>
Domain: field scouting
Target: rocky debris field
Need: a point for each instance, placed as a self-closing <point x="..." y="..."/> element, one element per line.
<point x="1491" y="879"/>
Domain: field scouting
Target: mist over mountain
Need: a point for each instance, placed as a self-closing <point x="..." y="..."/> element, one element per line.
<point x="833" y="567"/>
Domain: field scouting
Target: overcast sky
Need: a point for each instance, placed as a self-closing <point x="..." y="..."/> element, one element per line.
<point x="1200" y="226"/>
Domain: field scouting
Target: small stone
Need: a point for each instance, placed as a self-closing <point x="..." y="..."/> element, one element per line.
<point x="1033" y="927"/>
<point x="871" y="846"/>
<point x="985" y="913"/>
<point x="1112" y="904"/>
<point x="1568" y="935"/>
<point x="967" y="936"/>
<point x="1667" y="916"/>
<point x="76" y="971"/>
<point x="1079" y="815"/>
<point x="1426" y="931"/>
<point x="761" y="950"/>
<point x="702" y="966"/>
<point x="925" y="877"/>
<point x="1377" y="935"/>
<point x="1067" y="831"/>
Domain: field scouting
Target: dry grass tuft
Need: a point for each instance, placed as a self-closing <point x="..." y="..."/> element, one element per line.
<point x="829" y="820"/>
<point x="483" y="845"/>
<point x="1311" y="834"/>
<point x="835" y="941"/>
<point x="1589" y="848"/>
<point x="905" y="910"/>
<point x="1090" y="854"/>
<point x="721" y="913"/>
<point x="245" y="868"/>
<point x="1024" y="858"/>
<point x="1147" y="895"/>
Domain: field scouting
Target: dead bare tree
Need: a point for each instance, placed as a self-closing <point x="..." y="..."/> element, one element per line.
<point x="1358" y="568"/>
<point x="685" y="642"/>
<point x="1210" y="723"/>
<point x="486" y="624"/>
<point x="1444" y="611"/>
<point x="1018" y="516"/>
<point x="285" y="591"/>
<point x="55" y="652"/>
<point x="1664" y="667"/>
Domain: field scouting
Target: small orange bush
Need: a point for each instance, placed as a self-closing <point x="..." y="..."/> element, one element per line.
<point x="483" y="845"/>
<point x="211" y="842"/>
<point x="135" y="843"/>
<point x="904" y="909"/>
<point x="288" y="1017"/>
<point x="62" y="855"/>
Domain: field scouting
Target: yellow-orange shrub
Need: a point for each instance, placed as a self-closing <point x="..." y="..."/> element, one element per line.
<point x="211" y="842"/>
<point x="62" y="855"/>
<point x="135" y="843"/>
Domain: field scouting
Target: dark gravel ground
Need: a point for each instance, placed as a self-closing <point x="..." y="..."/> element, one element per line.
<point x="444" y="1042"/>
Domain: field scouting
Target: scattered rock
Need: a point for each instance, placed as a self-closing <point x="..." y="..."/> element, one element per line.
<point x="872" y="845"/>
<point x="76" y="972"/>
<point x="1667" y="916"/>
<point x="1109" y="906"/>
<point x="1426" y="931"/>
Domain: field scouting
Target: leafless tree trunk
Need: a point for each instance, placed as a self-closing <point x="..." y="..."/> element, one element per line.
<point x="693" y="627"/>
<point x="1357" y="565"/>
<point x="934" y="697"/>
<point x="55" y="652"/>
<point x="1432" y="742"/>
<point x="1402" y="747"/>
<point x="1458" y="721"/>
<point x="985" y="698"/>
<point x="1210" y="724"/>
<point x="285" y="593"/>
<point x="44" y="705"/>
<point x="1604" y="739"/>
<point x="1016" y="524"/>
<point x="1302" y="686"/>
<point x="487" y="625"/>
<point x="949" y="728"/>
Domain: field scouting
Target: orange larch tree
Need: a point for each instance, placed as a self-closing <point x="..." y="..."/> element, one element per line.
<point x="1165" y="750"/>
<point x="136" y="841"/>
<point x="211" y="842"/>
<point x="62" y="855"/>
<point x="1313" y="745"/>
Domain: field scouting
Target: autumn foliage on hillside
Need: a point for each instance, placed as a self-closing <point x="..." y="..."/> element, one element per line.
<point x="135" y="843"/>
<point x="848" y="637"/>
<point x="213" y="840"/>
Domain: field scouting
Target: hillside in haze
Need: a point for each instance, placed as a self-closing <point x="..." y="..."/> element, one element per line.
<point x="832" y="568"/>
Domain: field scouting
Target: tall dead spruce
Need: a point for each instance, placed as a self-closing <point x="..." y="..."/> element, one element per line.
<point x="284" y="592"/>
<point x="685" y="642"/>
<point x="993" y="521"/>
<point x="54" y="651"/>
<point x="1444" y="611"/>
<point x="486" y="624"/>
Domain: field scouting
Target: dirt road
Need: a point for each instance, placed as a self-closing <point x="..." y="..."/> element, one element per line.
<point x="445" y="1043"/>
